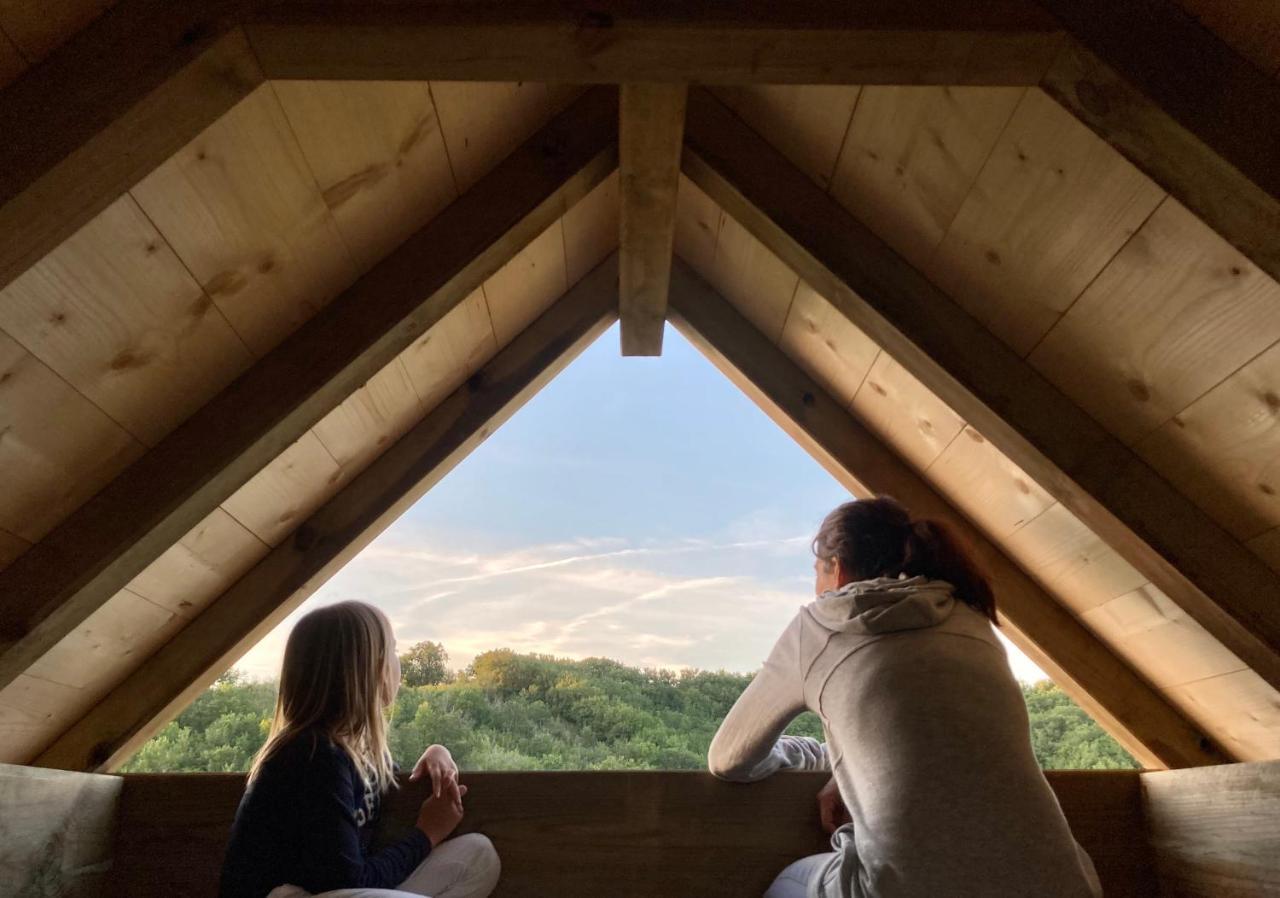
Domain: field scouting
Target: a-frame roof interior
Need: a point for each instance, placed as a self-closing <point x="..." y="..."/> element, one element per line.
<point x="223" y="374"/>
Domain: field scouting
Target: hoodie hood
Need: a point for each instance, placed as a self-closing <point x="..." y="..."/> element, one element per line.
<point x="885" y="605"/>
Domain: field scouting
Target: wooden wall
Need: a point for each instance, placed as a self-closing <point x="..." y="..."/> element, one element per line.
<point x="1215" y="831"/>
<point x="619" y="834"/>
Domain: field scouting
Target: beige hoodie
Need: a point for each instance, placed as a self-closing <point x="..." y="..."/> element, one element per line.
<point x="928" y="738"/>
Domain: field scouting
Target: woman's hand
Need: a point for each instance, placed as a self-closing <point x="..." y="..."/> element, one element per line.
<point x="437" y="763"/>
<point x="831" y="807"/>
<point x="438" y="817"/>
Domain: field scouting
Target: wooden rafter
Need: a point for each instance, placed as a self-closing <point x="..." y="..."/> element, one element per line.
<point x="1215" y="579"/>
<point x="618" y="41"/>
<point x="174" y="676"/>
<point x="106" y="109"/>
<point x="1182" y="106"/>
<point x="94" y="553"/>
<point x="650" y="136"/>
<point x="1133" y="711"/>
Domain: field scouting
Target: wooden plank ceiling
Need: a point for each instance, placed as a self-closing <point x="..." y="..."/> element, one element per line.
<point x="1080" y="263"/>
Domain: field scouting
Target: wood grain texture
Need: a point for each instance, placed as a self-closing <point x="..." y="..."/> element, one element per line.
<point x="454" y="349"/>
<point x="1173" y="314"/>
<point x="1122" y="702"/>
<point x="911" y="419"/>
<point x="115" y="314"/>
<point x="522" y="289"/>
<point x="1156" y="529"/>
<point x="911" y="156"/>
<point x="591" y="229"/>
<point x="1267" y="547"/>
<point x="823" y="342"/>
<point x="979" y="479"/>
<point x="168" y="681"/>
<point x="1249" y="705"/>
<point x="371" y="418"/>
<point x="107" y="108"/>
<point x="1229" y="198"/>
<point x="1051" y="206"/>
<point x="242" y="210"/>
<point x="649" y="141"/>
<point x="1004" y="42"/>
<point x="59" y="448"/>
<point x="377" y="154"/>
<point x="1212" y="831"/>
<point x="29" y="709"/>
<point x="273" y="502"/>
<point x="698" y="221"/>
<point x="753" y="278"/>
<point x="629" y="834"/>
<point x="48" y="591"/>
<point x="807" y="123"/>
<point x="1223" y="450"/>
<point x="482" y="122"/>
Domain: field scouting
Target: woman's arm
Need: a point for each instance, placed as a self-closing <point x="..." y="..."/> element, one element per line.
<point x="749" y="745"/>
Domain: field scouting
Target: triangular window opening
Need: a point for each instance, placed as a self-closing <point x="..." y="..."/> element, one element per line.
<point x="591" y="588"/>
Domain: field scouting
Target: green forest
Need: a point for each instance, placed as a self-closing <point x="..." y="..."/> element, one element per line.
<point x="510" y="711"/>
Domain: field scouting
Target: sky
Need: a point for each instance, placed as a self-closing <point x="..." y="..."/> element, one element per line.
<point x="640" y="509"/>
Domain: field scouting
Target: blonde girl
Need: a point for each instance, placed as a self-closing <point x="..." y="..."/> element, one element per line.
<point x="304" y="825"/>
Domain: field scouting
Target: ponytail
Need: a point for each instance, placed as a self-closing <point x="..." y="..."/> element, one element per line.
<point x="877" y="538"/>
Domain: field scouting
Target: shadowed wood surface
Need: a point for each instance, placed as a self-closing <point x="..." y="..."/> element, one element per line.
<point x="169" y="680"/>
<point x="589" y="835"/>
<point x="51" y="589"/>
<point x="1214" y="832"/>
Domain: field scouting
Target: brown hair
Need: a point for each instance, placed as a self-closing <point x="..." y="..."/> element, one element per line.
<point x="338" y="677"/>
<point x="877" y="538"/>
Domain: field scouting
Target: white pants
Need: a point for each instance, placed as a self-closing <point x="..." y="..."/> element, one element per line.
<point x="795" y="881"/>
<point x="461" y="867"/>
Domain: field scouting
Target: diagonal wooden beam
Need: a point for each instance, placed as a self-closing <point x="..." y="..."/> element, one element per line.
<point x="106" y="109"/>
<point x="172" y="678"/>
<point x="1216" y="580"/>
<point x="619" y="41"/>
<point x="150" y="506"/>
<point x="1132" y="710"/>
<point x="650" y="136"/>
<point x="1182" y="106"/>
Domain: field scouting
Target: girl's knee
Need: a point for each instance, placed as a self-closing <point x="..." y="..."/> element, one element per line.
<point x="482" y="861"/>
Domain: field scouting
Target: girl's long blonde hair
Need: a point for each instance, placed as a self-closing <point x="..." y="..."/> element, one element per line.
<point x="338" y="677"/>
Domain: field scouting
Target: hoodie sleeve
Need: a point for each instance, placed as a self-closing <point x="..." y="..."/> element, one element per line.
<point x="749" y="745"/>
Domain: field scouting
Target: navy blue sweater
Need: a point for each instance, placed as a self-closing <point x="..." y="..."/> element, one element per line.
<point x="307" y="821"/>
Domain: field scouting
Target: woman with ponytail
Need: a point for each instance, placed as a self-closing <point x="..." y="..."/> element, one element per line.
<point x="935" y="788"/>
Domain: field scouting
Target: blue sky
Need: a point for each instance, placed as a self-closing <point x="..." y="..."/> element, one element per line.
<point x="641" y="509"/>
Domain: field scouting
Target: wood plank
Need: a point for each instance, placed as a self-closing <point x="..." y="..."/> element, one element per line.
<point x="1223" y="451"/>
<point x="1229" y="190"/>
<point x="753" y="278"/>
<point x="40" y="28"/>
<point x="911" y="419"/>
<point x="591" y="229"/>
<point x="58" y="449"/>
<point x="453" y="350"/>
<point x="11" y="546"/>
<point x="242" y="210"/>
<point x="697" y="227"/>
<point x="377" y="154"/>
<point x="1156" y="637"/>
<point x="631" y="834"/>
<point x="1050" y="208"/>
<point x="1267" y="547"/>
<point x="48" y="591"/>
<point x="174" y="676"/>
<point x="1153" y="527"/>
<point x="115" y="314"/>
<point x="482" y="122"/>
<point x="1172" y="315"/>
<point x="30" y="709"/>
<point x="982" y="482"/>
<point x="58" y="831"/>
<point x="106" y="109"/>
<point x="1128" y="707"/>
<point x="1212" y="831"/>
<point x="807" y="123"/>
<point x="649" y="141"/>
<point x="912" y="155"/>
<point x="276" y="500"/>
<point x="530" y="282"/>
<point x="371" y="418"/>
<point x="1069" y="558"/>
<point x="823" y="342"/>
<point x="1249" y="706"/>
<point x="822" y="42"/>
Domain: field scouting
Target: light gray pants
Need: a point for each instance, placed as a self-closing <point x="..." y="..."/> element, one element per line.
<point x="797" y="880"/>
<point x="461" y="867"/>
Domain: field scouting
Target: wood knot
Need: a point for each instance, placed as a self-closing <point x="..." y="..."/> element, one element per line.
<point x="1139" y="391"/>
<point x="266" y="265"/>
<point x="808" y="399"/>
<point x="476" y="382"/>
<point x="975" y="436"/>
<point x="877" y="389"/>
<point x="992" y="256"/>
<point x="129" y="359"/>
<point x="57" y="318"/>
<point x="1266" y="489"/>
<point x="1271" y="401"/>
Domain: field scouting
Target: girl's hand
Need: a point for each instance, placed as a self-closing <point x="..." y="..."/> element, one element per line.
<point x="831" y="807"/>
<point x="437" y="763"/>
<point x="439" y="817"/>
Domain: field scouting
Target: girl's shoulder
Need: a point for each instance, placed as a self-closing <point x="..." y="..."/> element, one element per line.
<point x="308" y="752"/>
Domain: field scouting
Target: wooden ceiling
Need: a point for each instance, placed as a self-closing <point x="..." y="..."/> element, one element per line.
<point x="149" y="307"/>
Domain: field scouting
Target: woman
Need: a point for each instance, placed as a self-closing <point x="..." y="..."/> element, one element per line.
<point x="927" y="732"/>
<point x="314" y="792"/>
